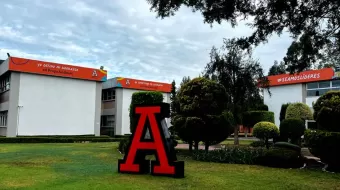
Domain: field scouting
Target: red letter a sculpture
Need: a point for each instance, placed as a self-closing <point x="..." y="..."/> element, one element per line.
<point x="134" y="160"/>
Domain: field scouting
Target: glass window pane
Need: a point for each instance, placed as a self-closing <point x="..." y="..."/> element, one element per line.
<point x="325" y="84"/>
<point x="311" y="92"/>
<point x="336" y="83"/>
<point x="323" y="91"/>
<point x="312" y="85"/>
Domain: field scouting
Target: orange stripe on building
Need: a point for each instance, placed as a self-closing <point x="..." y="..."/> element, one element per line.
<point x="303" y="77"/>
<point x="143" y="85"/>
<point x="55" y="69"/>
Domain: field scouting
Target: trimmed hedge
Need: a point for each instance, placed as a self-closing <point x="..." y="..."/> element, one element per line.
<point x="230" y="155"/>
<point x="292" y="129"/>
<point x="274" y="157"/>
<point x="259" y="144"/>
<point x="55" y="140"/>
<point x="327" y="111"/>
<point x="143" y="98"/>
<point x="324" y="145"/>
<point x="287" y="145"/>
<point x="283" y="111"/>
<point x="281" y="158"/>
<point x="299" y="111"/>
<point x="250" y="118"/>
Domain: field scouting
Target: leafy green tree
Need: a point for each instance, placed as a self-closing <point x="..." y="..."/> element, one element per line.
<point x="202" y="114"/>
<point x="277" y="69"/>
<point x="313" y="24"/>
<point x="239" y="74"/>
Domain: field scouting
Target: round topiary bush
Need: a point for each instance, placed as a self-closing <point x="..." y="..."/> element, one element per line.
<point x="250" y="118"/>
<point x="300" y="111"/>
<point x="327" y="111"/>
<point x="292" y="129"/>
<point x="265" y="130"/>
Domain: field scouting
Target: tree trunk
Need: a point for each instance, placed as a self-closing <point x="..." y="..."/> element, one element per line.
<point x="190" y="146"/>
<point x="236" y="135"/>
<point x="246" y="132"/>
<point x="196" y="145"/>
<point x="206" y="146"/>
<point x="266" y="142"/>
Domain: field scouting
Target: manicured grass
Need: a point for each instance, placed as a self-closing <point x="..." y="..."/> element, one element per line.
<point x="241" y="142"/>
<point x="94" y="166"/>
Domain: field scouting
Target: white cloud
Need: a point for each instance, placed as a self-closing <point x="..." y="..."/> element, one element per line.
<point x="122" y="35"/>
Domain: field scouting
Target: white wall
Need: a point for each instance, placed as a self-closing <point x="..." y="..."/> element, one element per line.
<point x="56" y="105"/>
<point x="281" y="95"/>
<point x="123" y="99"/>
<point x="310" y="100"/>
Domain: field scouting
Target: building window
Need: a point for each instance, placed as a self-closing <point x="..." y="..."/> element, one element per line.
<point x="4" y="83"/>
<point x="107" y="121"/>
<point x="321" y="88"/>
<point x="108" y="94"/>
<point x="3" y="118"/>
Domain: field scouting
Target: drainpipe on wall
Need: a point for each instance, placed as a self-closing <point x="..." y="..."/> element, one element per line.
<point x="18" y="119"/>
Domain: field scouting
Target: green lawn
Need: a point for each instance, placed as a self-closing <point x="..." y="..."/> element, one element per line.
<point x="94" y="166"/>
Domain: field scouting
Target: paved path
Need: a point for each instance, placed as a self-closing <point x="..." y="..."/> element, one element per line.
<point x="201" y="147"/>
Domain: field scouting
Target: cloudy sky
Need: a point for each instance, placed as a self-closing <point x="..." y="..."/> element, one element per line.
<point x="122" y="35"/>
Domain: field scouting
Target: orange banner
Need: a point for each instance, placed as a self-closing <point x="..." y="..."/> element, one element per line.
<point x="54" y="69"/>
<point x="143" y="85"/>
<point x="303" y="77"/>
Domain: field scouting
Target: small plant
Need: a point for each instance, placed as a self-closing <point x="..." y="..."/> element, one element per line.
<point x="265" y="130"/>
<point x="292" y="129"/>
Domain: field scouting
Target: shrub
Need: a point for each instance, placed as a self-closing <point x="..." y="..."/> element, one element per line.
<point x="327" y="111"/>
<point x="259" y="144"/>
<point x="123" y="145"/>
<point x="250" y="118"/>
<point x="324" y="145"/>
<point x="292" y="129"/>
<point x="230" y="155"/>
<point x="143" y="98"/>
<point x="287" y="145"/>
<point x="260" y="107"/>
<point x="283" y="111"/>
<point x="265" y="130"/>
<point x="299" y="111"/>
<point x="281" y="158"/>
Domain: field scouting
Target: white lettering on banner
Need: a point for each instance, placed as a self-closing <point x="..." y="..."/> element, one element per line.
<point x="148" y="83"/>
<point x="300" y="77"/>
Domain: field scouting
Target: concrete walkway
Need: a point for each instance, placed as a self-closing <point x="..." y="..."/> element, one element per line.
<point x="201" y="147"/>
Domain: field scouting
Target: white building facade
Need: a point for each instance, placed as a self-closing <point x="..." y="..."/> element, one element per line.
<point x="116" y="100"/>
<point x="305" y="87"/>
<point x="42" y="98"/>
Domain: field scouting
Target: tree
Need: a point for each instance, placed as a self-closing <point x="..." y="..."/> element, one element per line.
<point x="202" y="115"/>
<point x="265" y="130"/>
<point x="238" y="73"/>
<point x="299" y="111"/>
<point x="277" y="69"/>
<point x="173" y="99"/>
<point x="313" y="24"/>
